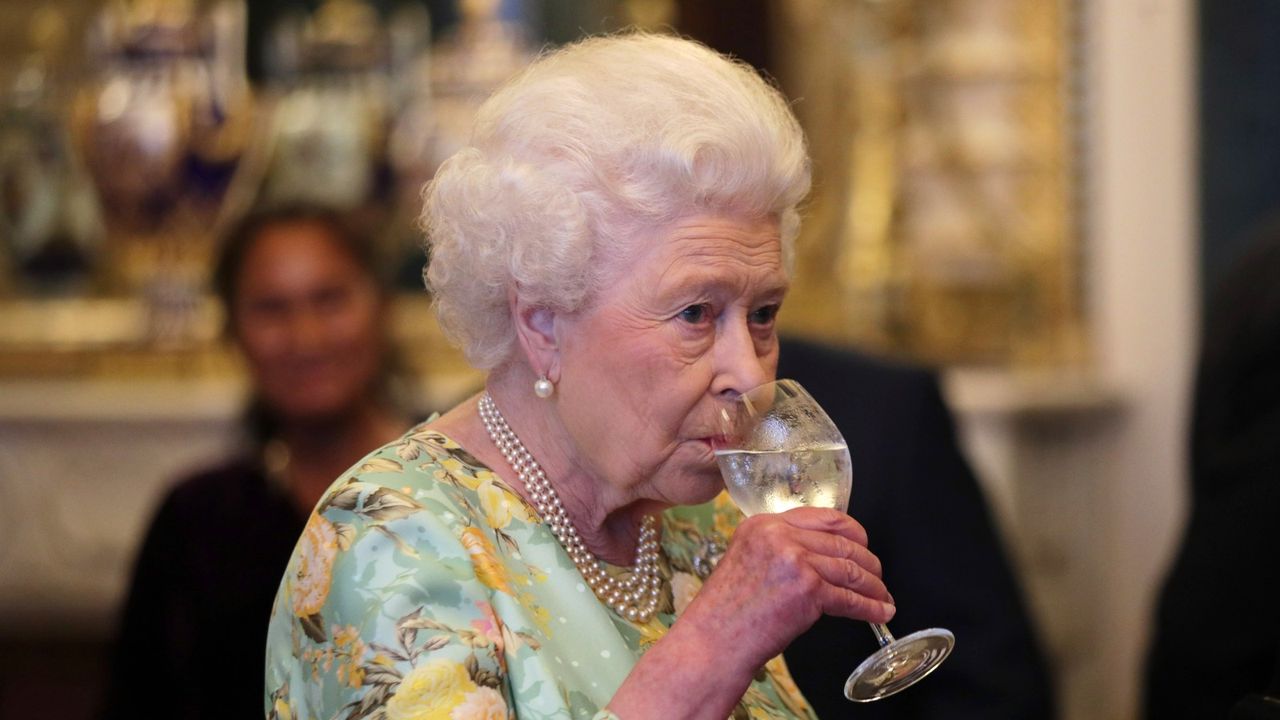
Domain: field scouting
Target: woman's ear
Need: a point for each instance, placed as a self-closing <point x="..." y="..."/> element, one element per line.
<point x="536" y="334"/>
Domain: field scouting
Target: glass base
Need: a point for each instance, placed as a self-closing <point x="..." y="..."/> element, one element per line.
<point x="899" y="665"/>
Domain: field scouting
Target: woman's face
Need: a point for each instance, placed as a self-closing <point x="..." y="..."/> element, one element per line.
<point x="308" y="320"/>
<point x="687" y="325"/>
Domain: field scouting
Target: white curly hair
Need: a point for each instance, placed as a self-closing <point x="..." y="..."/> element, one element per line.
<point x="583" y="151"/>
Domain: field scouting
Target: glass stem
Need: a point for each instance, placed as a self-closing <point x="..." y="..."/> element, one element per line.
<point x="883" y="636"/>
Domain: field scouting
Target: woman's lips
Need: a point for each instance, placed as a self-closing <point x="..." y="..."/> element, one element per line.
<point x="717" y="442"/>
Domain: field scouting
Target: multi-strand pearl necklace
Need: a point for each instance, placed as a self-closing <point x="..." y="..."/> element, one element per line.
<point x="635" y="598"/>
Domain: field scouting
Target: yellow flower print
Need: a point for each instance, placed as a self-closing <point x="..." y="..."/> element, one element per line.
<point x="459" y="470"/>
<point x="496" y="505"/>
<point x="488" y="569"/>
<point x="347" y="635"/>
<point x="483" y="703"/>
<point x="500" y="505"/>
<point x="788" y="691"/>
<point x="350" y="649"/>
<point x="351" y="675"/>
<point x="541" y="616"/>
<point x="722" y="501"/>
<point x="726" y="515"/>
<point x="430" y="692"/>
<point x="281" y="710"/>
<point x="316" y="552"/>
<point x="651" y="632"/>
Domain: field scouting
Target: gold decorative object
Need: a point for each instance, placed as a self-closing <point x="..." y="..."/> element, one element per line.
<point x="175" y="144"/>
<point x="50" y="229"/>
<point x="942" y="225"/>
<point x="163" y="127"/>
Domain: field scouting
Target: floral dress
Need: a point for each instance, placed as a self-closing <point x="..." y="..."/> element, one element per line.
<point x="424" y="587"/>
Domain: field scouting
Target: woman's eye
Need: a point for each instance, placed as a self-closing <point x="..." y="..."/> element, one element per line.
<point x="694" y="313"/>
<point x="265" y="309"/>
<point x="764" y="315"/>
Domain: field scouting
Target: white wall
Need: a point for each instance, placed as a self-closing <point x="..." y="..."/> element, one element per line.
<point x="1141" y="217"/>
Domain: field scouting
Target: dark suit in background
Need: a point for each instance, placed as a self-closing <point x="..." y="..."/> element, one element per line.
<point x="928" y="522"/>
<point x="1216" y="640"/>
<point x="194" y="625"/>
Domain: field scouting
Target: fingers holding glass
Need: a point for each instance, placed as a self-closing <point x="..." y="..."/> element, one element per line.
<point x="780" y="451"/>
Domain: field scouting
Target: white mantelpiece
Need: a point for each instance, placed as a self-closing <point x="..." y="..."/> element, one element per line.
<point x="82" y="465"/>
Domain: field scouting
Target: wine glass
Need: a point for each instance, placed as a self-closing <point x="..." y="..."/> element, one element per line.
<point x="780" y="450"/>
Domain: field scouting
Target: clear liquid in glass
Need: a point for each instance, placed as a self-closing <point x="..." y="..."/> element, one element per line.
<point x="761" y="481"/>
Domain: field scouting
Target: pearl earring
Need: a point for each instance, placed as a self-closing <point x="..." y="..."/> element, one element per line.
<point x="543" y="387"/>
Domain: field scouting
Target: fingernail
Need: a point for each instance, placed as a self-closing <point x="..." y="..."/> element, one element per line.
<point x="891" y="609"/>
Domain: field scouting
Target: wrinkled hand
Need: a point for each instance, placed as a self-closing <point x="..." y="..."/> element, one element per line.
<point x="780" y="573"/>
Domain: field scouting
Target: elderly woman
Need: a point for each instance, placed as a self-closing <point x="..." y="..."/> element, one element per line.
<point x="613" y="247"/>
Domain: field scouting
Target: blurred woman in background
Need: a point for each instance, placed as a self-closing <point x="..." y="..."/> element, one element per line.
<point x="304" y="305"/>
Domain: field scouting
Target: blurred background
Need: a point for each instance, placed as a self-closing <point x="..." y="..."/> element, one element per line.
<point x="1029" y="194"/>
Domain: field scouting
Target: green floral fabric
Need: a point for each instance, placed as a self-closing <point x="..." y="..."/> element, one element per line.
<point x="424" y="587"/>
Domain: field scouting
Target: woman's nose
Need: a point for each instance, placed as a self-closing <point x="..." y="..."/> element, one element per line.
<point x="307" y="331"/>
<point x="740" y="364"/>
